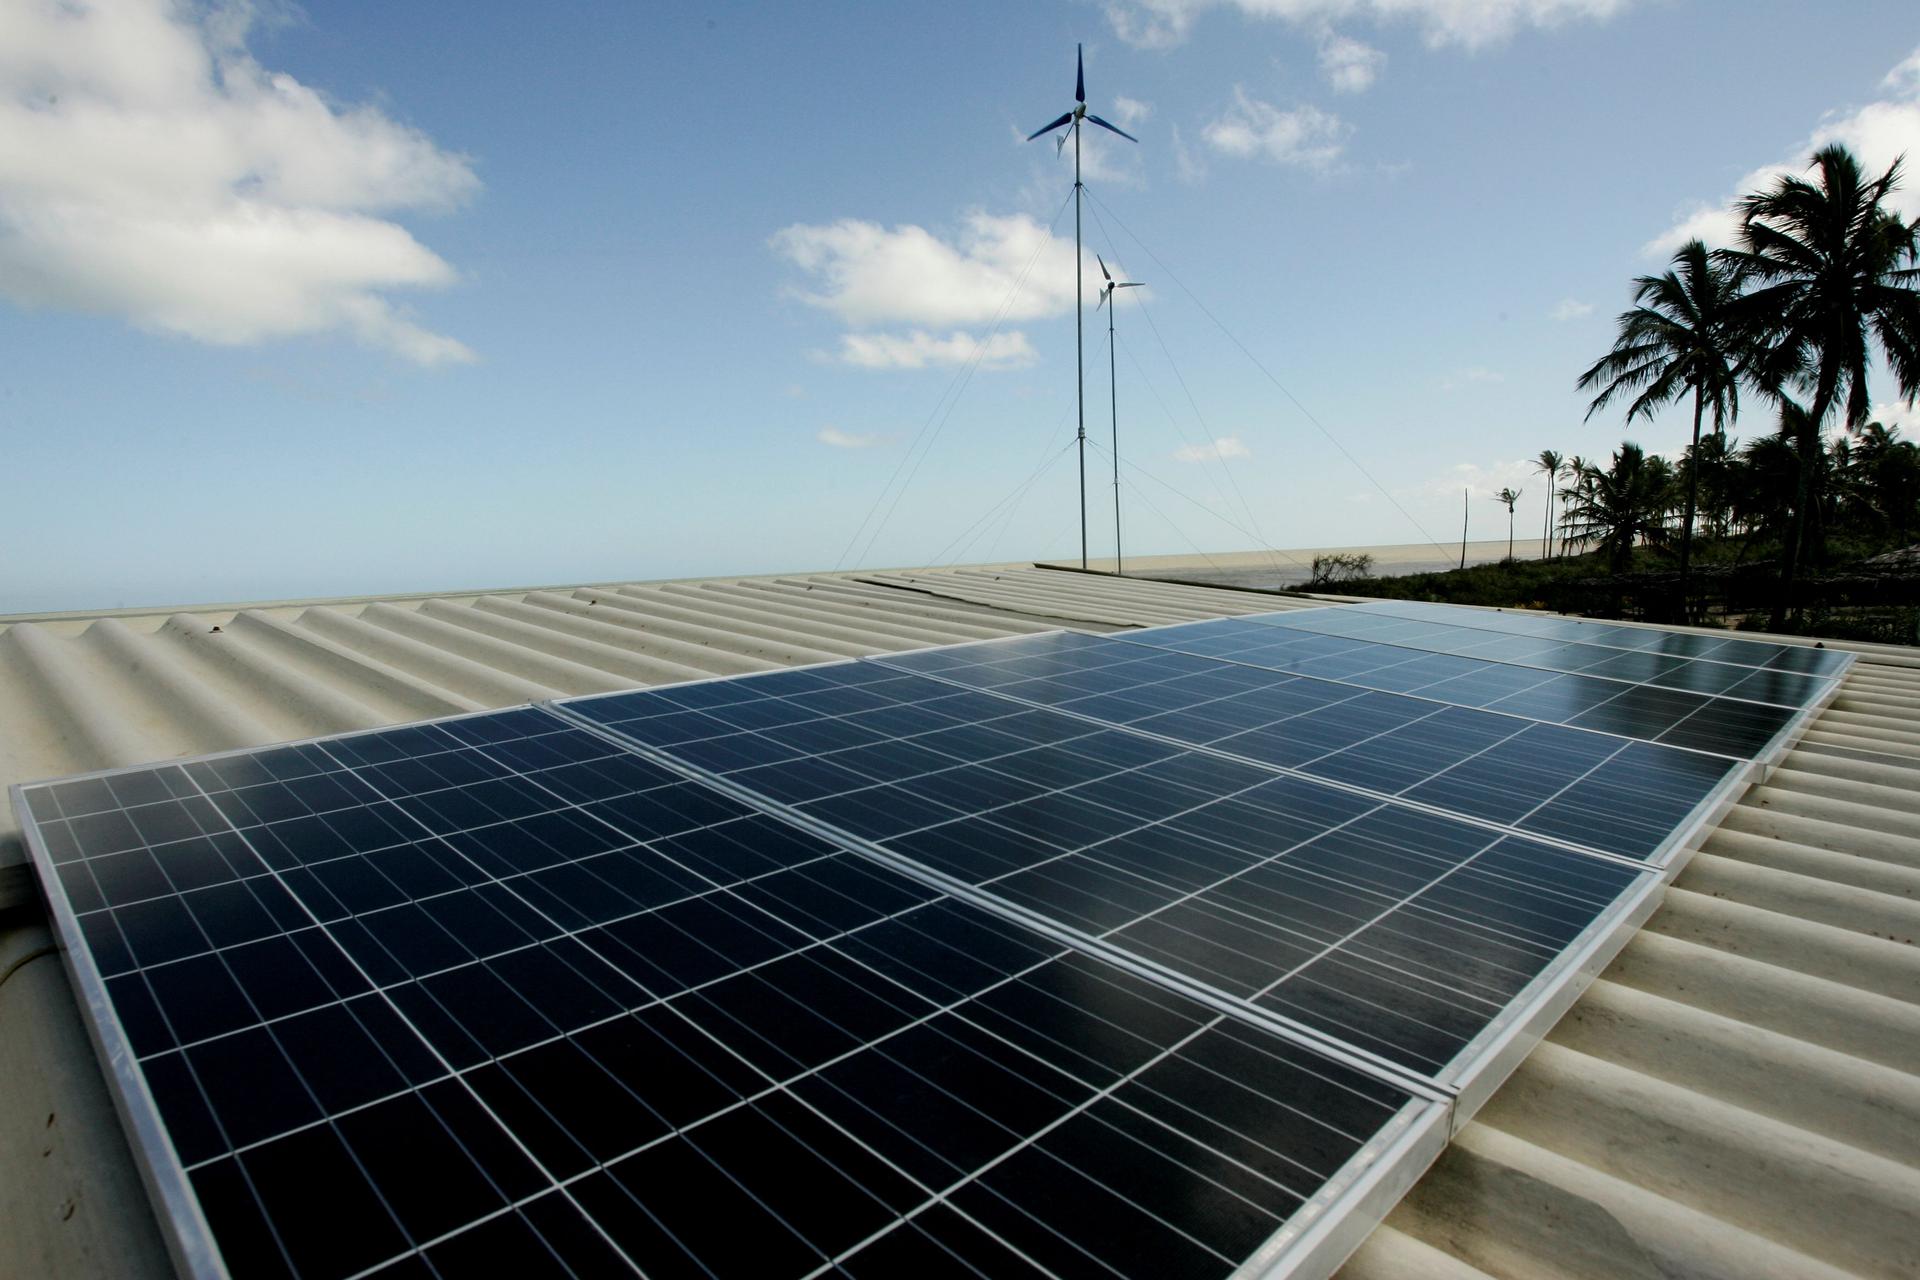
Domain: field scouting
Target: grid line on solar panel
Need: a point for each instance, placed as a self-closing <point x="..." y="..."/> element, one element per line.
<point x="1599" y="793"/>
<point x="1812" y="659"/>
<point x="1640" y="666"/>
<point x="1039" y="809"/>
<point x="406" y="1108"/>
<point x="1669" y="717"/>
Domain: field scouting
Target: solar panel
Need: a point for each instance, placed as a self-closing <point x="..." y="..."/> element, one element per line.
<point x="1406" y="934"/>
<point x="494" y="995"/>
<point x="1814" y="659"/>
<point x="1605" y="792"/>
<point x="1732" y="727"/>
<point x="1061" y="954"/>
<point x="1454" y="633"/>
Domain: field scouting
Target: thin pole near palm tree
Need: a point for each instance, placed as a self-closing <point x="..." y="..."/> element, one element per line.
<point x="1682" y="334"/>
<point x="1113" y="396"/>
<point x="1510" y="496"/>
<point x="1073" y="121"/>
<point x="1466" y="496"/>
<point x="1549" y="464"/>
<point x="1835" y="275"/>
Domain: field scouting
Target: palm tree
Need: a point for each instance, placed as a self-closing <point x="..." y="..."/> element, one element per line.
<point x="1577" y="468"/>
<point x="1548" y="464"/>
<point x="1509" y="496"/>
<point x="1620" y="507"/>
<point x="1886" y="471"/>
<point x="1710" y="465"/>
<point x="1834" y="277"/>
<point x="1771" y="497"/>
<point x="1681" y="335"/>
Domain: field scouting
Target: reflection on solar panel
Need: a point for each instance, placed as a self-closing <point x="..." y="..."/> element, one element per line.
<point x="1601" y="791"/>
<point x="1055" y="955"/>
<point x="1401" y="932"/>
<point x="1434" y="662"/>
<point x="494" y="996"/>
<point x="1808" y="659"/>
<point x="1712" y="676"/>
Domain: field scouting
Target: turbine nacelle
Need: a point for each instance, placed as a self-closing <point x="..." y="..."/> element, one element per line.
<point x="1112" y="285"/>
<point x="1073" y="118"/>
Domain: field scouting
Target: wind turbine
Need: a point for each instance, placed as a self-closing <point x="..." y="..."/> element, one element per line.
<point x="1074" y="121"/>
<point x="1113" y="393"/>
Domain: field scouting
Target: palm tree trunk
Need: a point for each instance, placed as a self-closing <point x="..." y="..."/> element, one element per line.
<point x="1509" y="533"/>
<point x="1693" y="496"/>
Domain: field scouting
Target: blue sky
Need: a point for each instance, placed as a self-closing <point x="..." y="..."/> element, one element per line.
<point x="376" y="298"/>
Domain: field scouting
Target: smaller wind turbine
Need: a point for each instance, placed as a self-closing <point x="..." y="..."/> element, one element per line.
<point x="1113" y="391"/>
<point x="1075" y="121"/>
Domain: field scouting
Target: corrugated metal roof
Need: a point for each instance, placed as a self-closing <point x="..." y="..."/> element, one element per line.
<point x="1734" y="1097"/>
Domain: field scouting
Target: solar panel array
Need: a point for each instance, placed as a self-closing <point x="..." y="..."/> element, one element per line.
<point x="1399" y="931"/>
<point x="1060" y="955"/>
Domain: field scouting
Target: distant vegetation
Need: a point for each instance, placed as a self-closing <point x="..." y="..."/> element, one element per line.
<point x="1823" y="278"/>
<point x="1339" y="568"/>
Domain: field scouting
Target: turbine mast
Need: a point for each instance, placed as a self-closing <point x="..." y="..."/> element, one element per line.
<point x="1073" y="122"/>
<point x="1110" y="302"/>
<point x="1079" y="360"/>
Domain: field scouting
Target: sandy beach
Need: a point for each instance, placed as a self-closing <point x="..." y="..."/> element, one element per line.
<point x="1291" y="567"/>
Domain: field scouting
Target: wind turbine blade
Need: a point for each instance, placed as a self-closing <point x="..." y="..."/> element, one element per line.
<point x="1111" y="128"/>
<point x="1129" y="284"/>
<point x="1051" y="127"/>
<point x="1103" y="268"/>
<point x="1079" y="74"/>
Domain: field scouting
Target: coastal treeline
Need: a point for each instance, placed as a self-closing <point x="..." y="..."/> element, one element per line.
<point x="1786" y="326"/>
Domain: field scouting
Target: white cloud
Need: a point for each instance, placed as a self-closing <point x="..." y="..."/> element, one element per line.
<point x="1898" y="413"/>
<point x="918" y="349"/>
<point x="1904" y="79"/>
<point x="1482" y="482"/>
<point x="1878" y="133"/>
<point x="1305" y="136"/>
<point x="1570" y="309"/>
<point x="1348" y="65"/>
<point x="1469" y="24"/>
<point x="1217" y="450"/>
<point x="868" y="274"/>
<point x="151" y="169"/>
<point x="1187" y="163"/>
<point x="879" y="281"/>
<point x="1471" y="376"/>
<point x="1127" y="112"/>
<point x="1104" y="160"/>
<point x="849" y="440"/>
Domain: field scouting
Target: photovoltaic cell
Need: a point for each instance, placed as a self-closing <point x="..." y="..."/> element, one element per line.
<point x="1401" y="932"/>
<point x="1604" y="792"/>
<point x="494" y="995"/>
